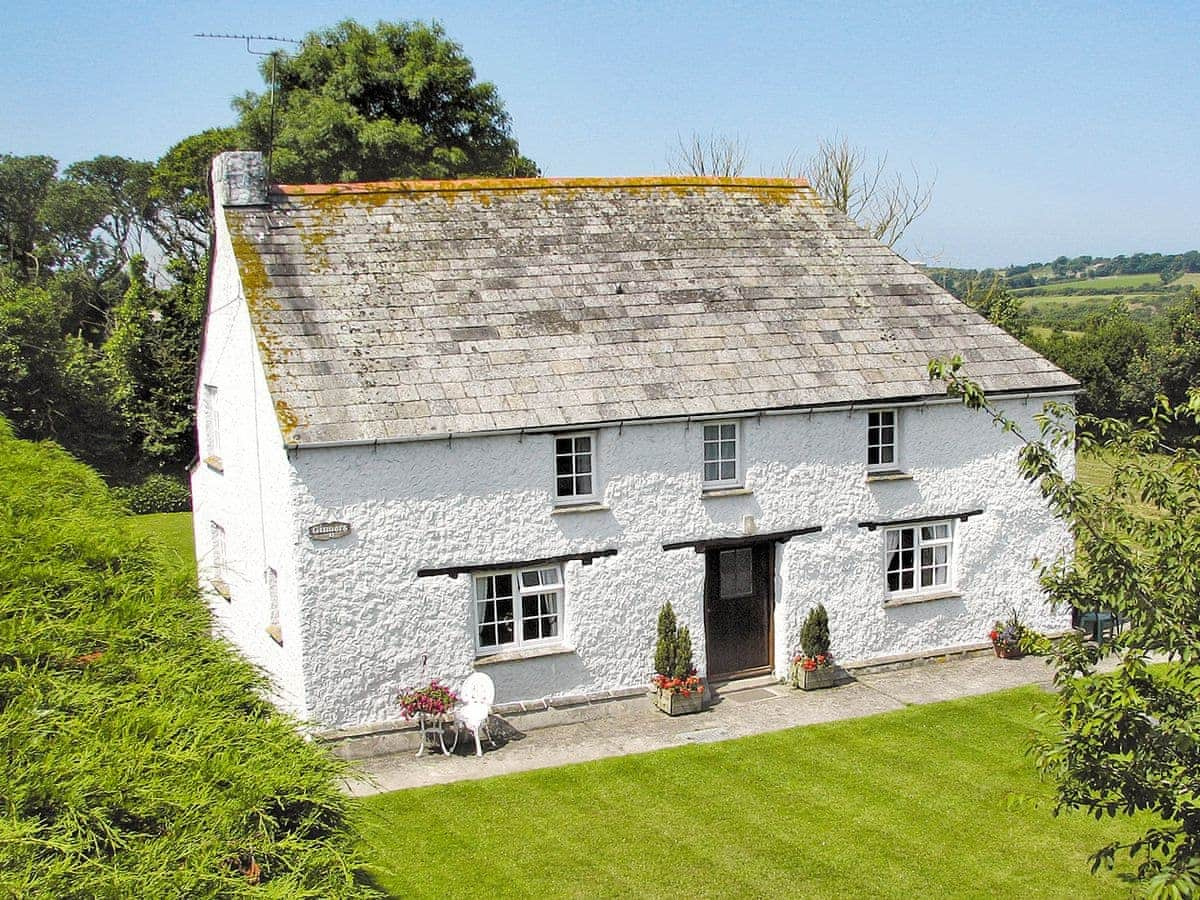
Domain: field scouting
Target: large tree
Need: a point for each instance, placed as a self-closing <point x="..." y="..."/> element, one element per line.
<point x="396" y="101"/>
<point x="1124" y="742"/>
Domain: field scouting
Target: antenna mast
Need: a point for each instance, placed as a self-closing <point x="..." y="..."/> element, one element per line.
<point x="272" y="54"/>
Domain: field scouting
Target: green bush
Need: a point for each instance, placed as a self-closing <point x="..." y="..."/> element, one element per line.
<point x="814" y="635"/>
<point x="137" y="756"/>
<point x="157" y="494"/>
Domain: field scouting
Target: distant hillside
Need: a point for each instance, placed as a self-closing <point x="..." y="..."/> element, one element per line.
<point x="1066" y="292"/>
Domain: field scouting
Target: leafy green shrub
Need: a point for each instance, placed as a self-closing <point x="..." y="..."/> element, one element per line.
<point x="137" y="756"/>
<point x="157" y="494"/>
<point x="814" y="635"/>
<point x="665" y="650"/>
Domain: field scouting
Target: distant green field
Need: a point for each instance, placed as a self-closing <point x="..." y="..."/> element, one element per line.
<point x="172" y="530"/>
<point x="1191" y="279"/>
<point x="1103" y="283"/>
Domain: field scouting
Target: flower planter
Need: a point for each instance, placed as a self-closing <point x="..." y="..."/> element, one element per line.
<point x="1005" y="653"/>
<point x="813" y="679"/>
<point x="673" y="703"/>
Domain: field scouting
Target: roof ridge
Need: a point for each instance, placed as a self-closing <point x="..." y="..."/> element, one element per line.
<point x="527" y="184"/>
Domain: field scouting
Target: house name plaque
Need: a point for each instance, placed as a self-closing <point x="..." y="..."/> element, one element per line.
<point x="328" y="531"/>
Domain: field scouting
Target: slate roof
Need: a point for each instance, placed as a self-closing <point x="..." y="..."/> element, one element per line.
<point x="410" y="309"/>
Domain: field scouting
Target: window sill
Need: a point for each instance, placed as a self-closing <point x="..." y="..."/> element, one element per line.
<point x="923" y="598"/>
<point x="492" y="659"/>
<point x="214" y="463"/>
<point x="276" y="634"/>
<point x="566" y="509"/>
<point x="713" y="492"/>
<point x="221" y="588"/>
<point x="895" y="475"/>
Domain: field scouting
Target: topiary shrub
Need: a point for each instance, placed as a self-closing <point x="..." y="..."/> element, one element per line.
<point x="683" y="654"/>
<point x="157" y="494"/>
<point x="814" y="636"/>
<point x="667" y="648"/>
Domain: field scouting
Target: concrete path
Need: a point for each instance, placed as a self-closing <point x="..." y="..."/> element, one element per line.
<point x="635" y="726"/>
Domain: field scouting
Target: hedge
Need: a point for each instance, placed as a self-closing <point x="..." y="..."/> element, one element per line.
<point x="137" y="756"/>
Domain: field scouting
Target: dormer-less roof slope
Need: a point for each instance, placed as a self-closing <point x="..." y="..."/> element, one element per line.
<point x="417" y="309"/>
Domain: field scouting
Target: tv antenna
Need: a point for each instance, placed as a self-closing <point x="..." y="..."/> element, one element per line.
<point x="273" y="54"/>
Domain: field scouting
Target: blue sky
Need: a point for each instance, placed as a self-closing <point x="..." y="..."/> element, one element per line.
<point x="1066" y="129"/>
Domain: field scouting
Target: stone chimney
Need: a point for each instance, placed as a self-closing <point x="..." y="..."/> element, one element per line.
<point x="239" y="178"/>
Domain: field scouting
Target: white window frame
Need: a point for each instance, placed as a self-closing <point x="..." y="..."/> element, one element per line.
<point x="574" y="474"/>
<point x="520" y="591"/>
<point x="721" y="459"/>
<point x="874" y="431"/>
<point x="921" y="543"/>
<point x="212" y="423"/>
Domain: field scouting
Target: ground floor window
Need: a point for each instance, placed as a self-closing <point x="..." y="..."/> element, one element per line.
<point x="518" y="608"/>
<point x="918" y="558"/>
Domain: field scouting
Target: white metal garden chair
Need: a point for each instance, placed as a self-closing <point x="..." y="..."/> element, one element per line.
<point x="475" y="706"/>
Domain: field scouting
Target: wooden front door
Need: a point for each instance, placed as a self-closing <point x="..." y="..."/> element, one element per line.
<point x="738" y="604"/>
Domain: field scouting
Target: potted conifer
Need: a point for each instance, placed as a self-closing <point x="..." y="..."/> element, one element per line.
<point x="812" y="668"/>
<point x="675" y="686"/>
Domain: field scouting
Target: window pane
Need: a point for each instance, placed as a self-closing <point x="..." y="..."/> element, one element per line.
<point x="487" y="635"/>
<point x="728" y="432"/>
<point x="935" y="532"/>
<point x="886" y="455"/>
<point x="583" y="485"/>
<point x="712" y="433"/>
<point x="711" y="452"/>
<point x="566" y="487"/>
<point x="728" y="471"/>
<point x="872" y="456"/>
<point x="712" y="471"/>
<point x="906" y="580"/>
<point x="504" y="632"/>
<point x="728" y="450"/>
<point x="550" y="576"/>
<point x="550" y="626"/>
<point x="530" y="578"/>
<point x="583" y="465"/>
<point x="887" y="435"/>
<point x="563" y="466"/>
<point x="562" y="446"/>
<point x="736" y="576"/>
<point x="583" y="445"/>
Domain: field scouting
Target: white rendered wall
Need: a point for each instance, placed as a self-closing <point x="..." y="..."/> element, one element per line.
<point x="371" y="626"/>
<point x="250" y="498"/>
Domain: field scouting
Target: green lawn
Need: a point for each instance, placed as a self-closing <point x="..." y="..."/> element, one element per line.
<point x="922" y="802"/>
<point x="172" y="530"/>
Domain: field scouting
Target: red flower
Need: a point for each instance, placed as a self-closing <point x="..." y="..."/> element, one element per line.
<point x="993" y="634"/>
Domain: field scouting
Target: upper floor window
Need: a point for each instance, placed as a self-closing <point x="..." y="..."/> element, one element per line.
<point x="881" y="439"/>
<point x="210" y="423"/>
<point x="518" y="608"/>
<point x="722" y="461"/>
<point x="574" y="467"/>
<point x="919" y="558"/>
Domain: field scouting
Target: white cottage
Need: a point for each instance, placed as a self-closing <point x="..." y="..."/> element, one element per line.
<point x="494" y="424"/>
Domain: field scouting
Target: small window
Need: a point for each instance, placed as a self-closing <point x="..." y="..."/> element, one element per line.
<point x="273" y="627"/>
<point x="722" y="467"/>
<point x="881" y="440"/>
<point x="211" y="425"/>
<point x="217" y="538"/>
<point x="574" y="467"/>
<point x="918" y="558"/>
<point x="518" y="609"/>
